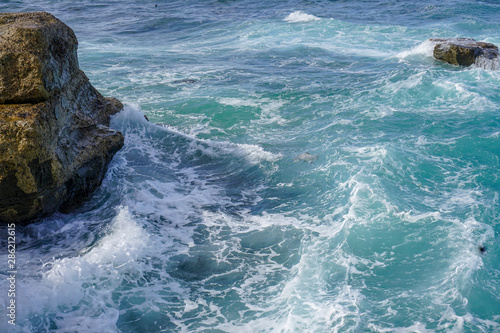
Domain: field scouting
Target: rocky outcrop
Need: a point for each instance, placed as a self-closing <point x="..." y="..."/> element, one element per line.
<point x="55" y="143"/>
<point x="465" y="51"/>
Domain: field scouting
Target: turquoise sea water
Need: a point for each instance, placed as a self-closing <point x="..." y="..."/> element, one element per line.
<point x="208" y="222"/>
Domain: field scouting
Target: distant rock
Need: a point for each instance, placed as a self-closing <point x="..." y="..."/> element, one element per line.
<point x="306" y="157"/>
<point x="465" y="52"/>
<point x="55" y="143"/>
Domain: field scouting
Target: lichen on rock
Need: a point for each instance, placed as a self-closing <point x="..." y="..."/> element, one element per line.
<point x="55" y="143"/>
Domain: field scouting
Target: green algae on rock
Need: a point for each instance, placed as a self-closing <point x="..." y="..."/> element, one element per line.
<point x="55" y="143"/>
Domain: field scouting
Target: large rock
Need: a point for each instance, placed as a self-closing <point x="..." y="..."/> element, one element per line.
<point x="55" y="143"/>
<point x="464" y="51"/>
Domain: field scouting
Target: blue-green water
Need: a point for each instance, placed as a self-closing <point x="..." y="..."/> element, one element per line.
<point x="208" y="222"/>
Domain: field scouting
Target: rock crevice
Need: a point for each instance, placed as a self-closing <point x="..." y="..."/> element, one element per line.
<point x="55" y="143"/>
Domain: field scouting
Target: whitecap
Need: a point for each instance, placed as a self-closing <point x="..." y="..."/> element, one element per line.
<point x="252" y="153"/>
<point x="300" y="16"/>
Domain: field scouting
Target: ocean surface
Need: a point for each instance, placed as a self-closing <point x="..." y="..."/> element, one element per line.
<point x="212" y="218"/>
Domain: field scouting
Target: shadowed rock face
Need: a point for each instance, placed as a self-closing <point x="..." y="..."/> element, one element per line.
<point x="55" y="143"/>
<point x="463" y="51"/>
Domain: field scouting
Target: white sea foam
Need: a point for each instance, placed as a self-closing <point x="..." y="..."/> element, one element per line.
<point x="379" y="112"/>
<point x="237" y="102"/>
<point x="423" y="49"/>
<point x="300" y="16"/>
<point x="85" y="281"/>
<point x="369" y="153"/>
<point x="417" y="327"/>
<point x="253" y="153"/>
<point x="462" y="92"/>
<point x="304" y="302"/>
<point x="460" y="198"/>
<point x="487" y="63"/>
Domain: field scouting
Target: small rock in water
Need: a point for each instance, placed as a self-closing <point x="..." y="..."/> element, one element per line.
<point x="307" y="157"/>
<point x="464" y="51"/>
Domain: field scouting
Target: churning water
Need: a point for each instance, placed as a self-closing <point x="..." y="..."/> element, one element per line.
<point x="208" y="222"/>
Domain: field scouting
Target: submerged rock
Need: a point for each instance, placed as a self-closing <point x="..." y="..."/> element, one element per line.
<point x="55" y="143"/>
<point x="306" y="157"/>
<point x="191" y="81"/>
<point x="465" y="52"/>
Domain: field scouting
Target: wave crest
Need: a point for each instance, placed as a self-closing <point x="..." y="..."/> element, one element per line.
<point x="300" y="16"/>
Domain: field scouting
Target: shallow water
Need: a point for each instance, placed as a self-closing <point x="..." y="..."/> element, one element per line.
<point x="208" y="222"/>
